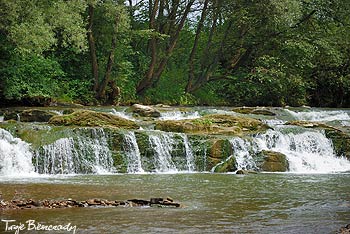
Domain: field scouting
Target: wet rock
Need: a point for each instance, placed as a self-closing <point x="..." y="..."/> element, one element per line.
<point x="214" y="124"/>
<point x="31" y="115"/>
<point x="245" y="172"/>
<point x="169" y="199"/>
<point x="87" y="118"/>
<point x="229" y="165"/>
<point x="156" y="200"/>
<point x="254" y="110"/>
<point x="344" y="230"/>
<point x="56" y="204"/>
<point x="11" y="115"/>
<point x="272" y="161"/>
<point x="219" y="150"/>
<point x="144" y="111"/>
<point x="36" y="115"/>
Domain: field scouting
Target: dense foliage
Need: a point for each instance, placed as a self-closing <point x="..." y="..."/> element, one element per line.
<point x="205" y="52"/>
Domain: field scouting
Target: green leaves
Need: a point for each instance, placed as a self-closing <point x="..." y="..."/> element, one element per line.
<point x="39" y="25"/>
<point x="31" y="76"/>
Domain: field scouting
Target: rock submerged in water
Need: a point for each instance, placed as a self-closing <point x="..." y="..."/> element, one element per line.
<point x="144" y="111"/>
<point x="87" y="118"/>
<point x="214" y="124"/>
<point x="54" y="204"/>
<point x="30" y="115"/>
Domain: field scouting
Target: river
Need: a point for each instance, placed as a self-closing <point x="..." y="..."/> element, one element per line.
<point x="312" y="197"/>
<point x="214" y="203"/>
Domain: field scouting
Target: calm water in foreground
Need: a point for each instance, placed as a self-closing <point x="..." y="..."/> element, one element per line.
<point x="215" y="203"/>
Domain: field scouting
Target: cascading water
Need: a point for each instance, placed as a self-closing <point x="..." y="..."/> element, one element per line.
<point x="243" y="151"/>
<point x="189" y="153"/>
<point x="132" y="152"/>
<point x="314" y="115"/>
<point x="163" y="146"/>
<point x="76" y="154"/>
<point x="309" y="151"/>
<point x="178" y="115"/>
<point x="15" y="156"/>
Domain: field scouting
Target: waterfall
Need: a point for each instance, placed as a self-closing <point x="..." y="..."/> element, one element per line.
<point x="306" y="152"/>
<point x="309" y="151"/>
<point x="132" y="152"/>
<point x="189" y="153"/>
<point x="243" y="151"/>
<point x="15" y="155"/>
<point x="163" y="146"/>
<point x="76" y="154"/>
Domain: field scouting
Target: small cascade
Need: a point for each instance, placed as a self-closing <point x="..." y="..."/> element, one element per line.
<point x="179" y="115"/>
<point x="163" y="146"/>
<point x="314" y="115"/>
<point x="243" y="151"/>
<point x="308" y="151"/>
<point x="15" y="156"/>
<point x="132" y="152"/>
<point x="123" y="114"/>
<point x="189" y="153"/>
<point x="76" y="154"/>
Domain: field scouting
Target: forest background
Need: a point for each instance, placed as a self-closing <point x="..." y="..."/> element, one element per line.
<point x="178" y="52"/>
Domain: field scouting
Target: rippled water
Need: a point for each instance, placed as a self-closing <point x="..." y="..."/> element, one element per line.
<point x="215" y="203"/>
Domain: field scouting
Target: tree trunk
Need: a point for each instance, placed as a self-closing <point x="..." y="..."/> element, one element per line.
<point x="147" y="80"/>
<point x="154" y="72"/>
<point x="191" y="75"/>
<point x="92" y="48"/>
<point x="102" y="87"/>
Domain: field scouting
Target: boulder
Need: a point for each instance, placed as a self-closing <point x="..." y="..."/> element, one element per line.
<point x="229" y="165"/>
<point x="245" y="172"/>
<point x="214" y="124"/>
<point x="272" y="161"/>
<point x="31" y="115"/>
<point x="87" y="118"/>
<point x="144" y="111"/>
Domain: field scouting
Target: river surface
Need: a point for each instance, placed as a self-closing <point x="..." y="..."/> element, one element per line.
<point x="214" y="203"/>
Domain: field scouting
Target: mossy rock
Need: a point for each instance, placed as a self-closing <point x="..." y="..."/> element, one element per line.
<point x="272" y="161"/>
<point x="30" y="115"/>
<point x="228" y="165"/>
<point x="246" y="172"/>
<point x="253" y="110"/>
<point x="87" y="118"/>
<point x="219" y="150"/>
<point x="214" y="124"/>
<point x="144" y="111"/>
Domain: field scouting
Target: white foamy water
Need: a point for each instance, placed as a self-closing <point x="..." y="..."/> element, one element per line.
<point x="179" y="115"/>
<point x="190" y="164"/>
<point x="243" y="150"/>
<point x="307" y="152"/>
<point x="319" y="115"/>
<point x="78" y="154"/>
<point x="132" y="152"/>
<point x="15" y="156"/>
<point x="163" y="146"/>
<point x="123" y="114"/>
